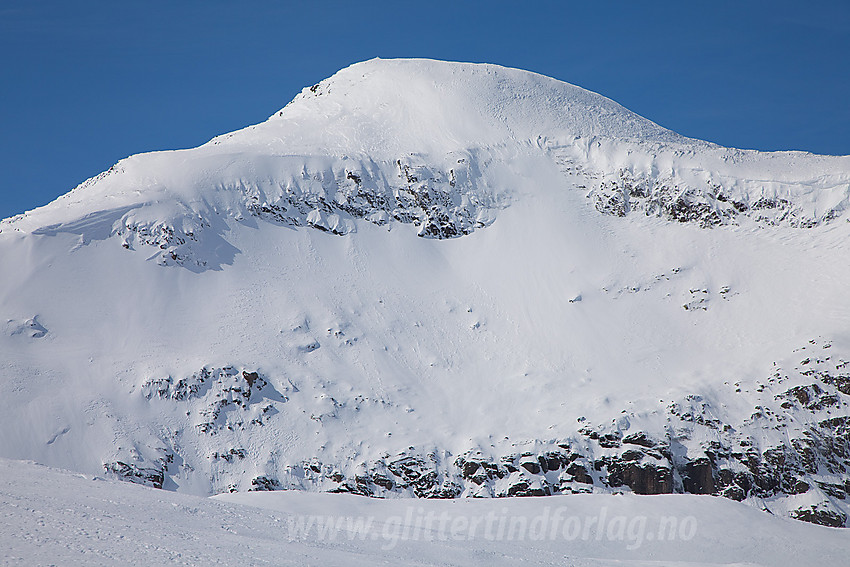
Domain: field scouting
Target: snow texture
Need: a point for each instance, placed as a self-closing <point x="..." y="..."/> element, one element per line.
<point x="54" y="517"/>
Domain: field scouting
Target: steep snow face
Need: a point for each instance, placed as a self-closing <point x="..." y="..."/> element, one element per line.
<point x="434" y="144"/>
<point x="440" y="279"/>
<point x="406" y="140"/>
<point x="437" y="145"/>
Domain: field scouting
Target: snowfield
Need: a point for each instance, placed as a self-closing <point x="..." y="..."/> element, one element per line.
<point x="54" y="517"/>
<point x="443" y="280"/>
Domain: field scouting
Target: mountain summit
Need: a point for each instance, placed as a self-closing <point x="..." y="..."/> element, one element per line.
<point x="437" y="280"/>
<point x="393" y="106"/>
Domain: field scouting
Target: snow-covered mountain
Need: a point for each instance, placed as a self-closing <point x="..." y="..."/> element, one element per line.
<point x="439" y="279"/>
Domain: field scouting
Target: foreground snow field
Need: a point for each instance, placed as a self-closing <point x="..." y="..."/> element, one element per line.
<point x="58" y="517"/>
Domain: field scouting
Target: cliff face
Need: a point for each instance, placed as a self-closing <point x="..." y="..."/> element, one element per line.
<point x="790" y="456"/>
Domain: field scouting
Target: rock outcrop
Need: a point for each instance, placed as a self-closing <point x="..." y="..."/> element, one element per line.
<point x="792" y="453"/>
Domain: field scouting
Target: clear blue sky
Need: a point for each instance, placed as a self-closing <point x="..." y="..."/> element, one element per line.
<point x="84" y="84"/>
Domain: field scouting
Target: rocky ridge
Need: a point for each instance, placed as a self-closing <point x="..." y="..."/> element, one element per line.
<point x="792" y="454"/>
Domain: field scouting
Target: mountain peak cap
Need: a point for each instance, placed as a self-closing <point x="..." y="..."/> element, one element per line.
<point x="423" y="105"/>
<point x="474" y="124"/>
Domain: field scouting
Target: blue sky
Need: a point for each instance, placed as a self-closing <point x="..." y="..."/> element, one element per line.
<point x="87" y="83"/>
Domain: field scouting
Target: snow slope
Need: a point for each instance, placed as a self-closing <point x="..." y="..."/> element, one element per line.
<point x="94" y="521"/>
<point x="440" y="279"/>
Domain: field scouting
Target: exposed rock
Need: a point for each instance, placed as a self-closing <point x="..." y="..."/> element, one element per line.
<point x="640" y="438"/>
<point x="709" y="205"/>
<point x="139" y="475"/>
<point x="648" y="478"/>
<point x="579" y="473"/>
<point x="821" y="516"/>
<point x="840" y="381"/>
<point x="230" y="455"/>
<point x="698" y="477"/>
<point x="443" y="204"/>
<point x="264" y="483"/>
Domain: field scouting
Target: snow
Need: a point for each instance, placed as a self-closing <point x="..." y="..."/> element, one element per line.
<point x="537" y="317"/>
<point x="369" y="115"/>
<point x="62" y="518"/>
